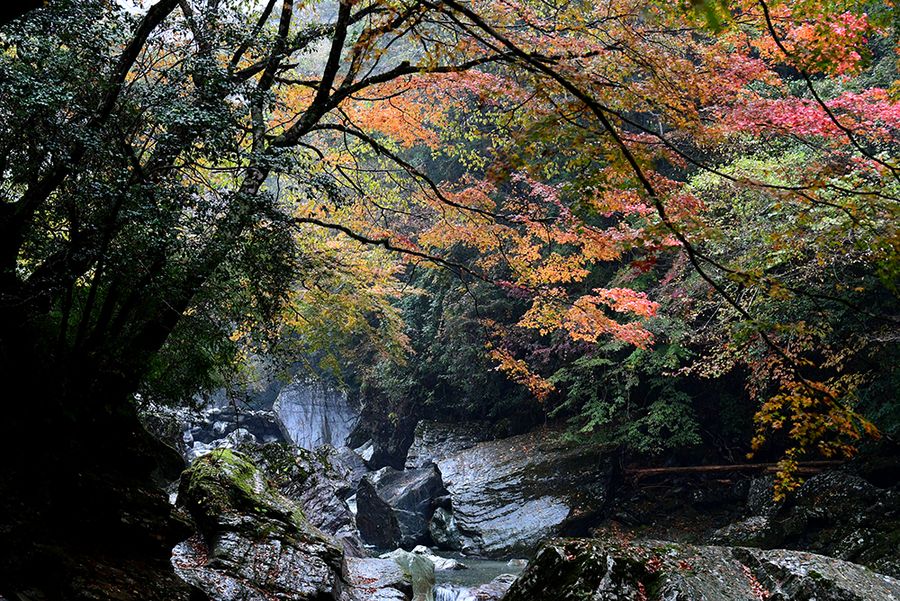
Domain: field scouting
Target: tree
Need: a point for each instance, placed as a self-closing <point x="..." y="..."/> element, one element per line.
<point x="14" y="10"/>
<point x="159" y="186"/>
<point x="651" y="99"/>
<point x="182" y="181"/>
<point x="160" y="176"/>
<point x="216" y="140"/>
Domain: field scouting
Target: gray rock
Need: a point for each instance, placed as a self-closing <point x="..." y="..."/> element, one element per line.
<point x="366" y="450"/>
<point x="233" y="440"/>
<point x="835" y="513"/>
<point x="495" y="589"/>
<point x="394" y="507"/>
<point x="372" y="579"/>
<point x="322" y="500"/>
<point x="600" y="570"/>
<point x="316" y="481"/>
<point x="508" y="495"/>
<point x="755" y="531"/>
<point x="254" y="543"/>
<point x="242" y="569"/>
<point x="375" y="518"/>
<point x="492" y="591"/>
<point x="444" y="532"/>
<point x="195" y="433"/>
<point x="381" y="594"/>
<point x="761" y="497"/>
<point x="435" y="441"/>
<point x="355" y="470"/>
<point x="453" y="592"/>
<point x="215" y="422"/>
<point x="313" y="415"/>
<point x="790" y="575"/>
<point x="440" y="563"/>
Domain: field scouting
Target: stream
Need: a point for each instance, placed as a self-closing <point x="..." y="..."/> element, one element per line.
<point x="457" y="585"/>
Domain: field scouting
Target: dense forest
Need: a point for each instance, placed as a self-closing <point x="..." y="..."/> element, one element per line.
<point x="655" y="235"/>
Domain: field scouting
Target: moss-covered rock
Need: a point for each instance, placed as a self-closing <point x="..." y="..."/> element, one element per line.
<point x="224" y="485"/>
<point x="318" y="481"/>
<point x="836" y="513"/>
<point x="579" y="569"/>
<point x="254" y="543"/>
<point x="607" y="570"/>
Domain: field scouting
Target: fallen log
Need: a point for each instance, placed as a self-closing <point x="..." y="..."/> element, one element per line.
<point x="806" y="467"/>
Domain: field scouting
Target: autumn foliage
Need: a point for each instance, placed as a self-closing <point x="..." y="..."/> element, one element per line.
<point x="274" y="175"/>
<point x="601" y="152"/>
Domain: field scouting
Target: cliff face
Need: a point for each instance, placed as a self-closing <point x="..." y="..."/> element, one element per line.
<point x="312" y="414"/>
<point x="507" y="495"/>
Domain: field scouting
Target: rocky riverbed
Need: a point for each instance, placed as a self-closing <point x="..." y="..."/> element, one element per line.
<point x="274" y="518"/>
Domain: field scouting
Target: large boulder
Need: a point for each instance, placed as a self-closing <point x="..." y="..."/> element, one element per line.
<point x="403" y="576"/>
<point x="507" y="495"/>
<point x="394" y="507"/>
<point x="318" y="482"/>
<point x="372" y="579"/>
<point x="435" y="441"/>
<point x="384" y="431"/>
<point x="602" y="570"/>
<point x="836" y="513"/>
<point x="313" y="414"/>
<point x="254" y="543"/>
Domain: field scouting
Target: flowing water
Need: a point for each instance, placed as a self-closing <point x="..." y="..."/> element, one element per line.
<point x="457" y="585"/>
<point x="449" y="592"/>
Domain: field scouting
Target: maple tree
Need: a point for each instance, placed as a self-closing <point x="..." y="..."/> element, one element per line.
<point x="673" y="223"/>
<point x="192" y="182"/>
<point x="622" y="108"/>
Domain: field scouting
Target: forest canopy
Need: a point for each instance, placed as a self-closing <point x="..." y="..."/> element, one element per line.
<point x="647" y="215"/>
